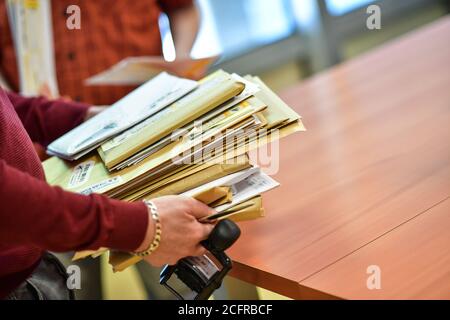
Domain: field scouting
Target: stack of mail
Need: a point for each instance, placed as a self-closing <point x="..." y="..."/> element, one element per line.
<point x="177" y="136"/>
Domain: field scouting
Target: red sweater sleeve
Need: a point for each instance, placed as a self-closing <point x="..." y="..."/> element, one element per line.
<point x="36" y="214"/>
<point x="46" y="120"/>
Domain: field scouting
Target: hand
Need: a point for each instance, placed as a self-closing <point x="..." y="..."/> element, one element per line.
<point x="181" y="232"/>
<point x="93" y="111"/>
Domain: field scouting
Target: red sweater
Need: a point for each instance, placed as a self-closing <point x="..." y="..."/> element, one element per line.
<point x="34" y="216"/>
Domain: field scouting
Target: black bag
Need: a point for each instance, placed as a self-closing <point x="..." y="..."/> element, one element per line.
<point x="47" y="282"/>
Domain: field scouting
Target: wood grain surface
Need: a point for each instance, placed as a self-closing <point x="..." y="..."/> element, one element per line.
<point x="375" y="158"/>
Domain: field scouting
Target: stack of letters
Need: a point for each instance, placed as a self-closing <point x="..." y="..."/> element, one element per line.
<point x="177" y="136"/>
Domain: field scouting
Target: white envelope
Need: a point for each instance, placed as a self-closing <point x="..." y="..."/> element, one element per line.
<point x="143" y="102"/>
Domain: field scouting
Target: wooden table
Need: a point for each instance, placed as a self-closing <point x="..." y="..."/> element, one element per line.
<point x="367" y="184"/>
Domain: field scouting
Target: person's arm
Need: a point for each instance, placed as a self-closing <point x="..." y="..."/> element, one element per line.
<point x="184" y="20"/>
<point x="46" y="120"/>
<point x="36" y="214"/>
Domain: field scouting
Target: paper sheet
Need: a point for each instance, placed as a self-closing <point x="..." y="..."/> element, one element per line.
<point x="137" y="70"/>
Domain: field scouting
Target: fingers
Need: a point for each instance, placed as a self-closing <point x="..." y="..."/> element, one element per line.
<point x="199" y="209"/>
<point x="206" y="230"/>
<point x="198" y="249"/>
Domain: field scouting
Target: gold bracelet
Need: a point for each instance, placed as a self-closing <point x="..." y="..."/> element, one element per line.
<point x="157" y="238"/>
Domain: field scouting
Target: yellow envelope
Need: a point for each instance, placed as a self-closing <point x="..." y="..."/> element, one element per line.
<point x="213" y="91"/>
<point x="253" y="210"/>
<point x="214" y="194"/>
<point x="187" y="179"/>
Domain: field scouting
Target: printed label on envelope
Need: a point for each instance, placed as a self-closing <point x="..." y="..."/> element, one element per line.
<point x="81" y="174"/>
<point x="102" y="185"/>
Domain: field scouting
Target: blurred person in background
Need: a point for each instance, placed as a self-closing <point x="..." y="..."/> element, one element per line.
<point x="110" y="31"/>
